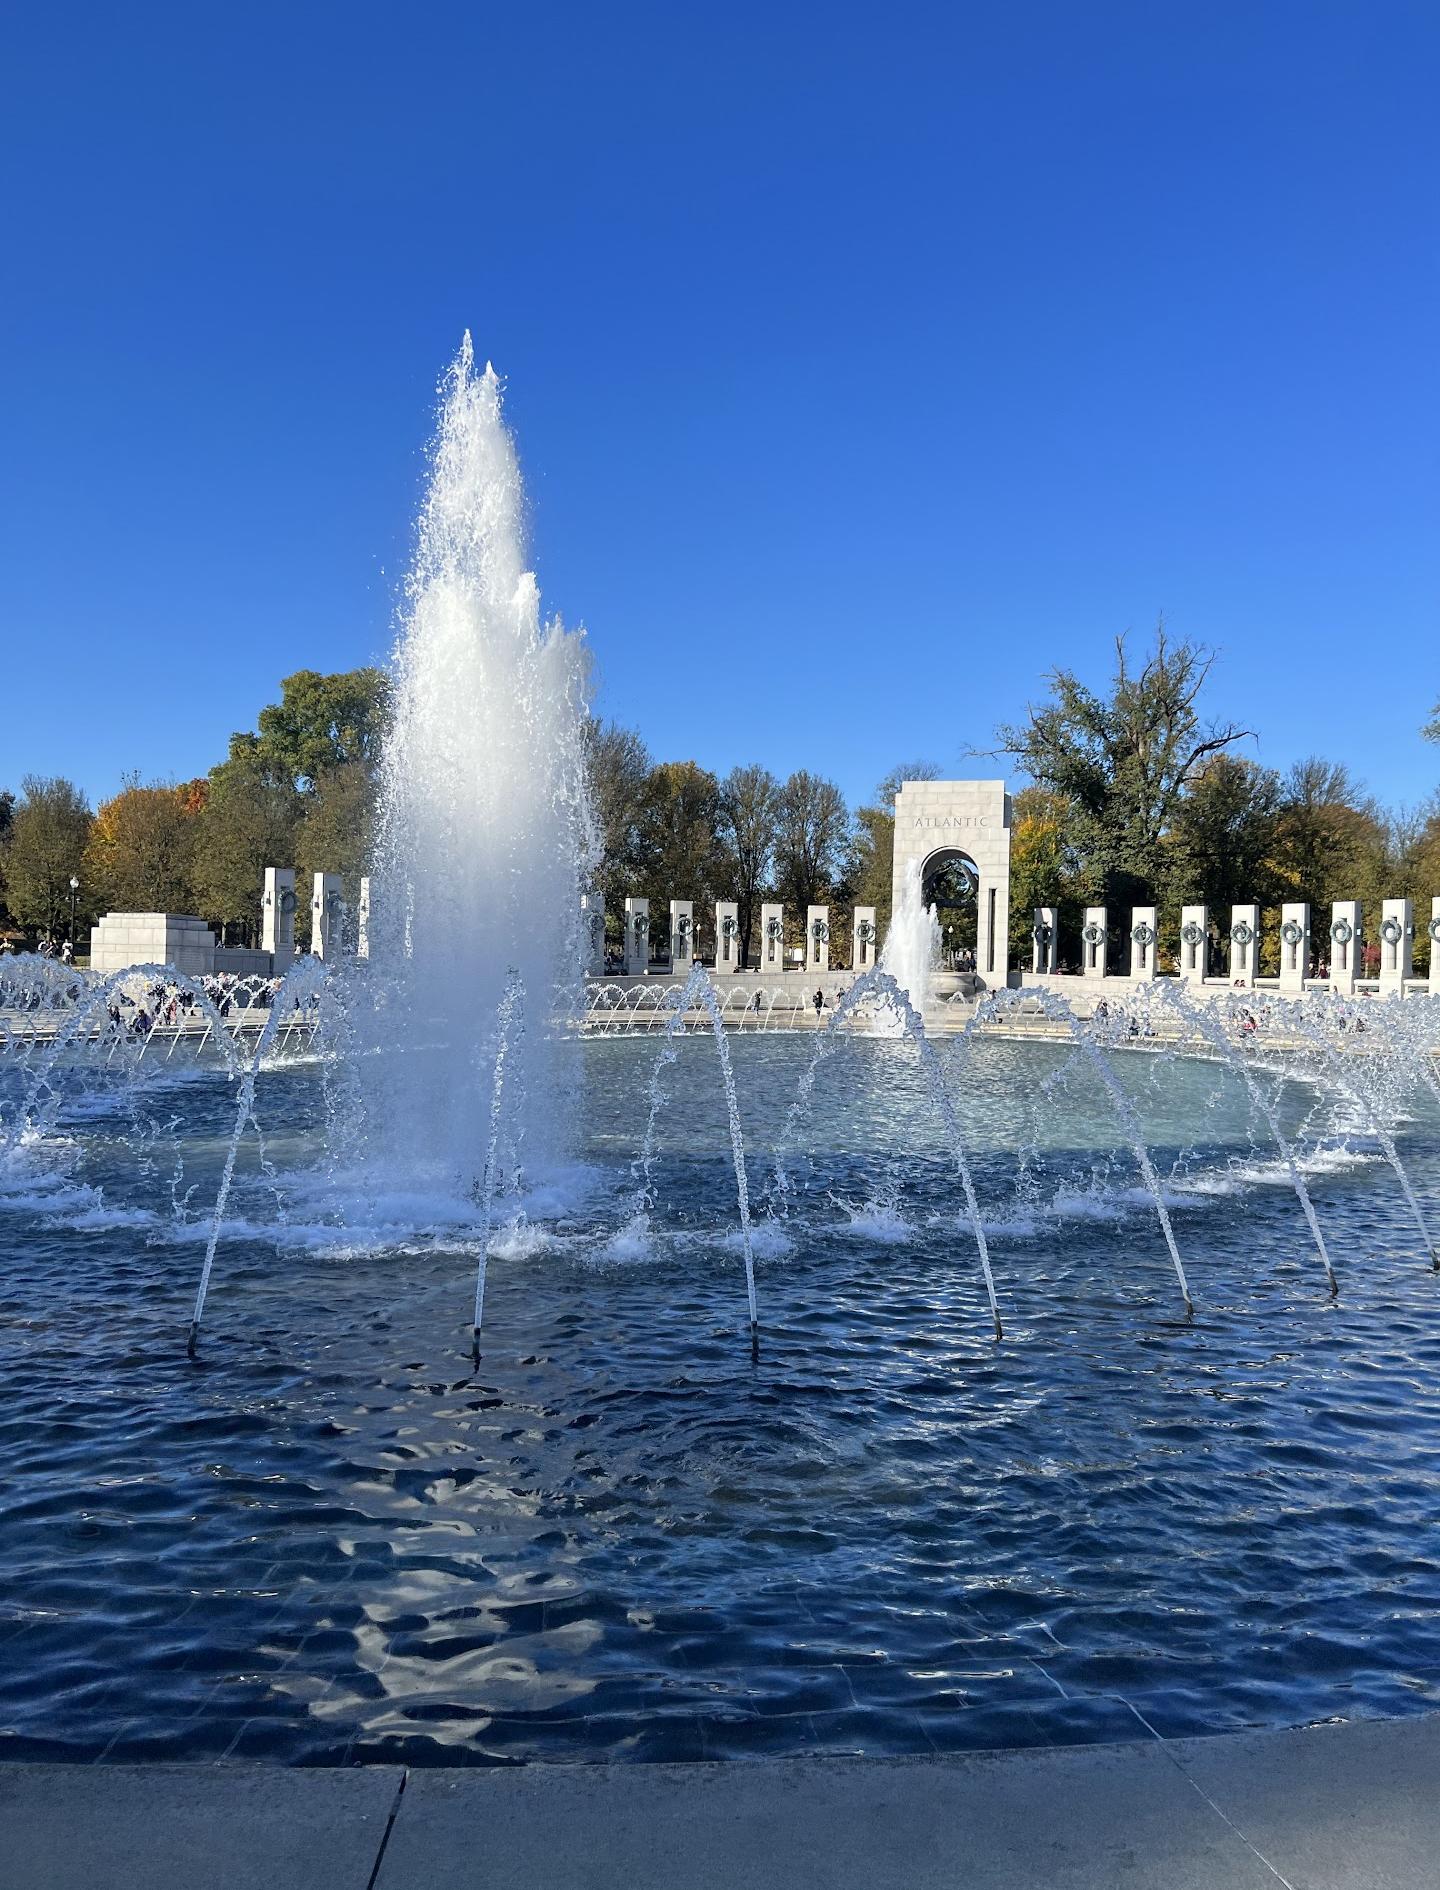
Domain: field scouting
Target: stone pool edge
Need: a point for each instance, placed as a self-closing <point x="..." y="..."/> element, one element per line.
<point x="1338" y="1807"/>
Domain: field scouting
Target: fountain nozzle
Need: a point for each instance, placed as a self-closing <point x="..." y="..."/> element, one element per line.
<point x="192" y="1339"/>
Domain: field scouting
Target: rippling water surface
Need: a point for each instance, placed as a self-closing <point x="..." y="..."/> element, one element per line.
<point x="333" y="1538"/>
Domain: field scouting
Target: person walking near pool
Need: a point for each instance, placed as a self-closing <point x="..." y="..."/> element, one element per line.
<point x="819" y="1004"/>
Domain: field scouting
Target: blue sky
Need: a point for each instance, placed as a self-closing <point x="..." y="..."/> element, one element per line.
<point x="865" y="362"/>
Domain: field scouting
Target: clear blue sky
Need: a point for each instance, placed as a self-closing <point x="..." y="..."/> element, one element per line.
<point x="865" y="361"/>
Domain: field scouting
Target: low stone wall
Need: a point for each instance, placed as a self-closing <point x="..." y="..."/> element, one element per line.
<point x="122" y="939"/>
<point x="1083" y="994"/>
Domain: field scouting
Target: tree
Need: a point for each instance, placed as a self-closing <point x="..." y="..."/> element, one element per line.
<point x="1043" y="869"/>
<point x="1330" y="836"/>
<point x="140" y="857"/>
<point x="250" y="821"/>
<point x="810" y="840"/>
<point x="322" y="723"/>
<point x="45" y="846"/>
<point x="336" y="829"/>
<point x="302" y="790"/>
<point x="749" y="819"/>
<point x="1123" y="761"/>
<point x="7" y="815"/>
<point x="619" y="767"/>
<point x="1223" y="837"/>
<point x="888" y="791"/>
<point x="679" y="836"/>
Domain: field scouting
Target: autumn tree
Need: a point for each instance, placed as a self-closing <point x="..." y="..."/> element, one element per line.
<point x="1043" y="868"/>
<point x="141" y="852"/>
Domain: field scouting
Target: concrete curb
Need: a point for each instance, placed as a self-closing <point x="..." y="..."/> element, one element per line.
<point x="1349" y="1807"/>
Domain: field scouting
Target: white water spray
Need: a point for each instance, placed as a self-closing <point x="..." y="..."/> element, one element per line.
<point x="485" y="833"/>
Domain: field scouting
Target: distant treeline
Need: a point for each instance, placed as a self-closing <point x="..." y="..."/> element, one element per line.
<point x="1132" y="797"/>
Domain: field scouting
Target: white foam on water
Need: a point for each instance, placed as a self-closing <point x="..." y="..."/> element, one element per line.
<point x="876" y="1220"/>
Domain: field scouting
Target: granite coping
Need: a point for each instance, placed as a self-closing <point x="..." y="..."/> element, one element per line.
<point x="1341" y="1807"/>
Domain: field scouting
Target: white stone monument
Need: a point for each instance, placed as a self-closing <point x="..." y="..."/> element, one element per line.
<point x="1434" y="929"/>
<point x="682" y="936"/>
<point x="1346" y="945"/>
<point x="277" y="917"/>
<point x="1045" y="941"/>
<point x="592" y="934"/>
<point x="1244" y="943"/>
<point x="327" y="916"/>
<point x="637" y="938"/>
<point x="1294" y="945"/>
<point x="1397" y="945"/>
<point x="1095" y="942"/>
<point x="727" y="937"/>
<point x="1194" y="942"/>
<point x="362" y="919"/>
<point x="940" y="822"/>
<point x="772" y="938"/>
<point x="179" y="940"/>
<point x="817" y="938"/>
<point x="864" y="944"/>
<point x="1144" y="941"/>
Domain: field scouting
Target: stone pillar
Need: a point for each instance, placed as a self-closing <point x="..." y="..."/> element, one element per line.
<point x="637" y="938"/>
<point x="327" y="916"/>
<point x="1346" y="936"/>
<point x="817" y="938"/>
<point x="362" y="919"/>
<point x="277" y="917"/>
<point x="1397" y="945"/>
<point x="1095" y="943"/>
<point x="727" y="937"/>
<point x="1435" y="947"/>
<point x="1194" y="942"/>
<point x="772" y="939"/>
<point x="863" y="941"/>
<point x="1144" y="941"/>
<point x="682" y="936"/>
<point x="592" y="934"/>
<point x="1294" y="945"/>
<point x="1045" y="941"/>
<point x="1244" y="943"/>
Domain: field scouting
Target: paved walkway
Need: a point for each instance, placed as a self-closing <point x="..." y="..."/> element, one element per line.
<point x="1341" y="1808"/>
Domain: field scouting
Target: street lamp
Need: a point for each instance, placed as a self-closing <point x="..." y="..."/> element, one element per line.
<point x="74" y="888"/>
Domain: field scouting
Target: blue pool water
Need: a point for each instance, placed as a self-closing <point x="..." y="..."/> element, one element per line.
<point x="333" y="1538"/>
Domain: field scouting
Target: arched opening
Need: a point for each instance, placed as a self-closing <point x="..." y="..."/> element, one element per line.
<point x="950" y="882"/>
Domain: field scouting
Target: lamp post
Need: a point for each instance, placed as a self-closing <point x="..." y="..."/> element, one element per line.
<point x="74" y="888"/>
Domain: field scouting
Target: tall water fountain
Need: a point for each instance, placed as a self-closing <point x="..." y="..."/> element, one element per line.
<point x="912" y="945"/>
<point x="484" y="834"/>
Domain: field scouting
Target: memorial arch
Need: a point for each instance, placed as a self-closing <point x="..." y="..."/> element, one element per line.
<point x="954" y="827"/>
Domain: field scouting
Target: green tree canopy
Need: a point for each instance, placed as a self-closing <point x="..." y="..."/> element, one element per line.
<point x="811" y="850"/>
<point x="1122" y="761"/>
<point x="325" y="722"/>
<point x="45" y="846"/>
